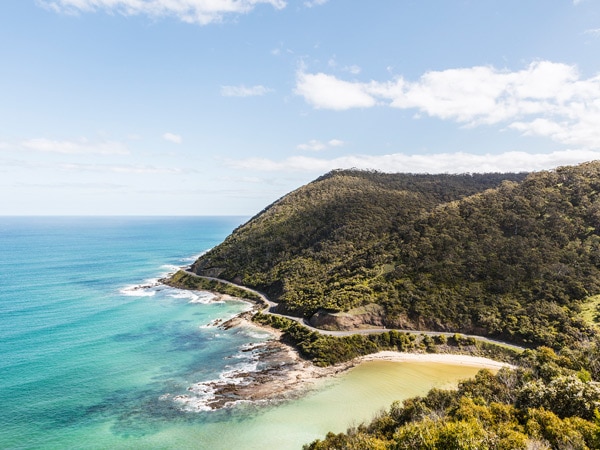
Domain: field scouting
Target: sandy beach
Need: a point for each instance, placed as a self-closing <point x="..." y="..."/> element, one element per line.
<point x="445" y="358"/>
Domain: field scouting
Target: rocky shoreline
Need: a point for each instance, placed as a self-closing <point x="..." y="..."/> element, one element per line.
<point x="281" y="374"/>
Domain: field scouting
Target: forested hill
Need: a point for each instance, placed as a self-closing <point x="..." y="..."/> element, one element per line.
<point x="507" y="255"/>
<point x="320" y="227"/>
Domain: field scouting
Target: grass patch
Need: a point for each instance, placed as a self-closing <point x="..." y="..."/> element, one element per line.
<point x="590" y="311"/>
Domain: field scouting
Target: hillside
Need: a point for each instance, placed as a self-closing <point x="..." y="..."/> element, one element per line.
<point x="506" y="255"/>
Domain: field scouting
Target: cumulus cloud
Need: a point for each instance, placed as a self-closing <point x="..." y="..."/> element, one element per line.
<point x="460" y="162"/>
<point x="327" y="92"/>
<point x="317" y="146"/>
<point x="243" y="91"/>
<point x="545" y="99"/>
<point x="174" y="138"/>
<point x="81" y="146"/>
<point x="200" y="12"/>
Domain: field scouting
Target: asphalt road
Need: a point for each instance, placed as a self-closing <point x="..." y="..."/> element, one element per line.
<point x="271" y="304"/>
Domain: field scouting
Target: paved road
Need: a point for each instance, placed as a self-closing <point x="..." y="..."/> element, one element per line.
<point x="270" y="305"/>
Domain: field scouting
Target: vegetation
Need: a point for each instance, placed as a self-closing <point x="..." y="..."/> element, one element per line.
<point x="324" y="350"/>
<point x="590" y="311"/>
<point x="541" y="405"/>
<point x="505" y="255"/>
<point x="185" y="280"/>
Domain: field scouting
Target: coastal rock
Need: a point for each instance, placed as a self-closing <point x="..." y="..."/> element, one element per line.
<point x="281" y="374"/>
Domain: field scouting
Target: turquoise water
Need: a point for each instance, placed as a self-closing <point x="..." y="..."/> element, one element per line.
<point x="85" y="353"/>
<point x="94" y="352"/>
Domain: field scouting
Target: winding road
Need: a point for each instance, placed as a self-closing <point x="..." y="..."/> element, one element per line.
<point x="271" y="304"/>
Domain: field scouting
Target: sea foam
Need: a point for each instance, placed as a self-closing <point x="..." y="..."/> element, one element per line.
<point x="202" y="394"/>
<point x="203" y="297"/>
<point x="147" y="289"/>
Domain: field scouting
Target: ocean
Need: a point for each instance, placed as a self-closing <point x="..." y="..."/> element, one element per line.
<point x="94" y="351"/>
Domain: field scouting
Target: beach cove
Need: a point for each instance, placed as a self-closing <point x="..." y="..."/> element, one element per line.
<point x="281" y="373"/>
<point x="294" y="402"/>
<point x="334" y="404"/>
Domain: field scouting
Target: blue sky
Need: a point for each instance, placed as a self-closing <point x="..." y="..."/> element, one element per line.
<point x="210" y="107"/>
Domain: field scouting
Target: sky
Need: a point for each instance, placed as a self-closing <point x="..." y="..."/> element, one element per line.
<point x="220" y="107"/>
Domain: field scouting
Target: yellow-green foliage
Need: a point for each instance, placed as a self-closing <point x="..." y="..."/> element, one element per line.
<point x="482" y="414"/>
<point x="590" y="311"/>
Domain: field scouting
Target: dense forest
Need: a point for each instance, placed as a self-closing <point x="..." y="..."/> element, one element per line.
<point x="511" y="256"/>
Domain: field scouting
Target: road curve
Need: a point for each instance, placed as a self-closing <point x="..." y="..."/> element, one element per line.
<point x="271" y="304"/>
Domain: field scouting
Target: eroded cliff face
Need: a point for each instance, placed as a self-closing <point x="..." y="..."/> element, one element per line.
<point x="368" y="316"/>
<point x="374" y="316"/>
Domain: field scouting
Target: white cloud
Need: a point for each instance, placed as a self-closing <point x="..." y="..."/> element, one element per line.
<point x="243" y="91"/>
<point x="78" y="186"/>
<point x="353" y="69"/>
<point x="81" y="146"/>
<point x="192" y="11"/>
<point x="311" y="3"/>
<point x="312" y="145"/>
<point x="315" y="145"/>
<point x="327" y="92"/>
<point x="593" y="32"/>
<point x="546" y="99"/>
<point x="461" y="162"/>
<point x="175" y="138"/>
<point x="126" y="169"/>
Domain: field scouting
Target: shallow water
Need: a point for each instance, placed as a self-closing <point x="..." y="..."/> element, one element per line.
<point x="347" y="400"/>
<point x="93" y="352"/>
